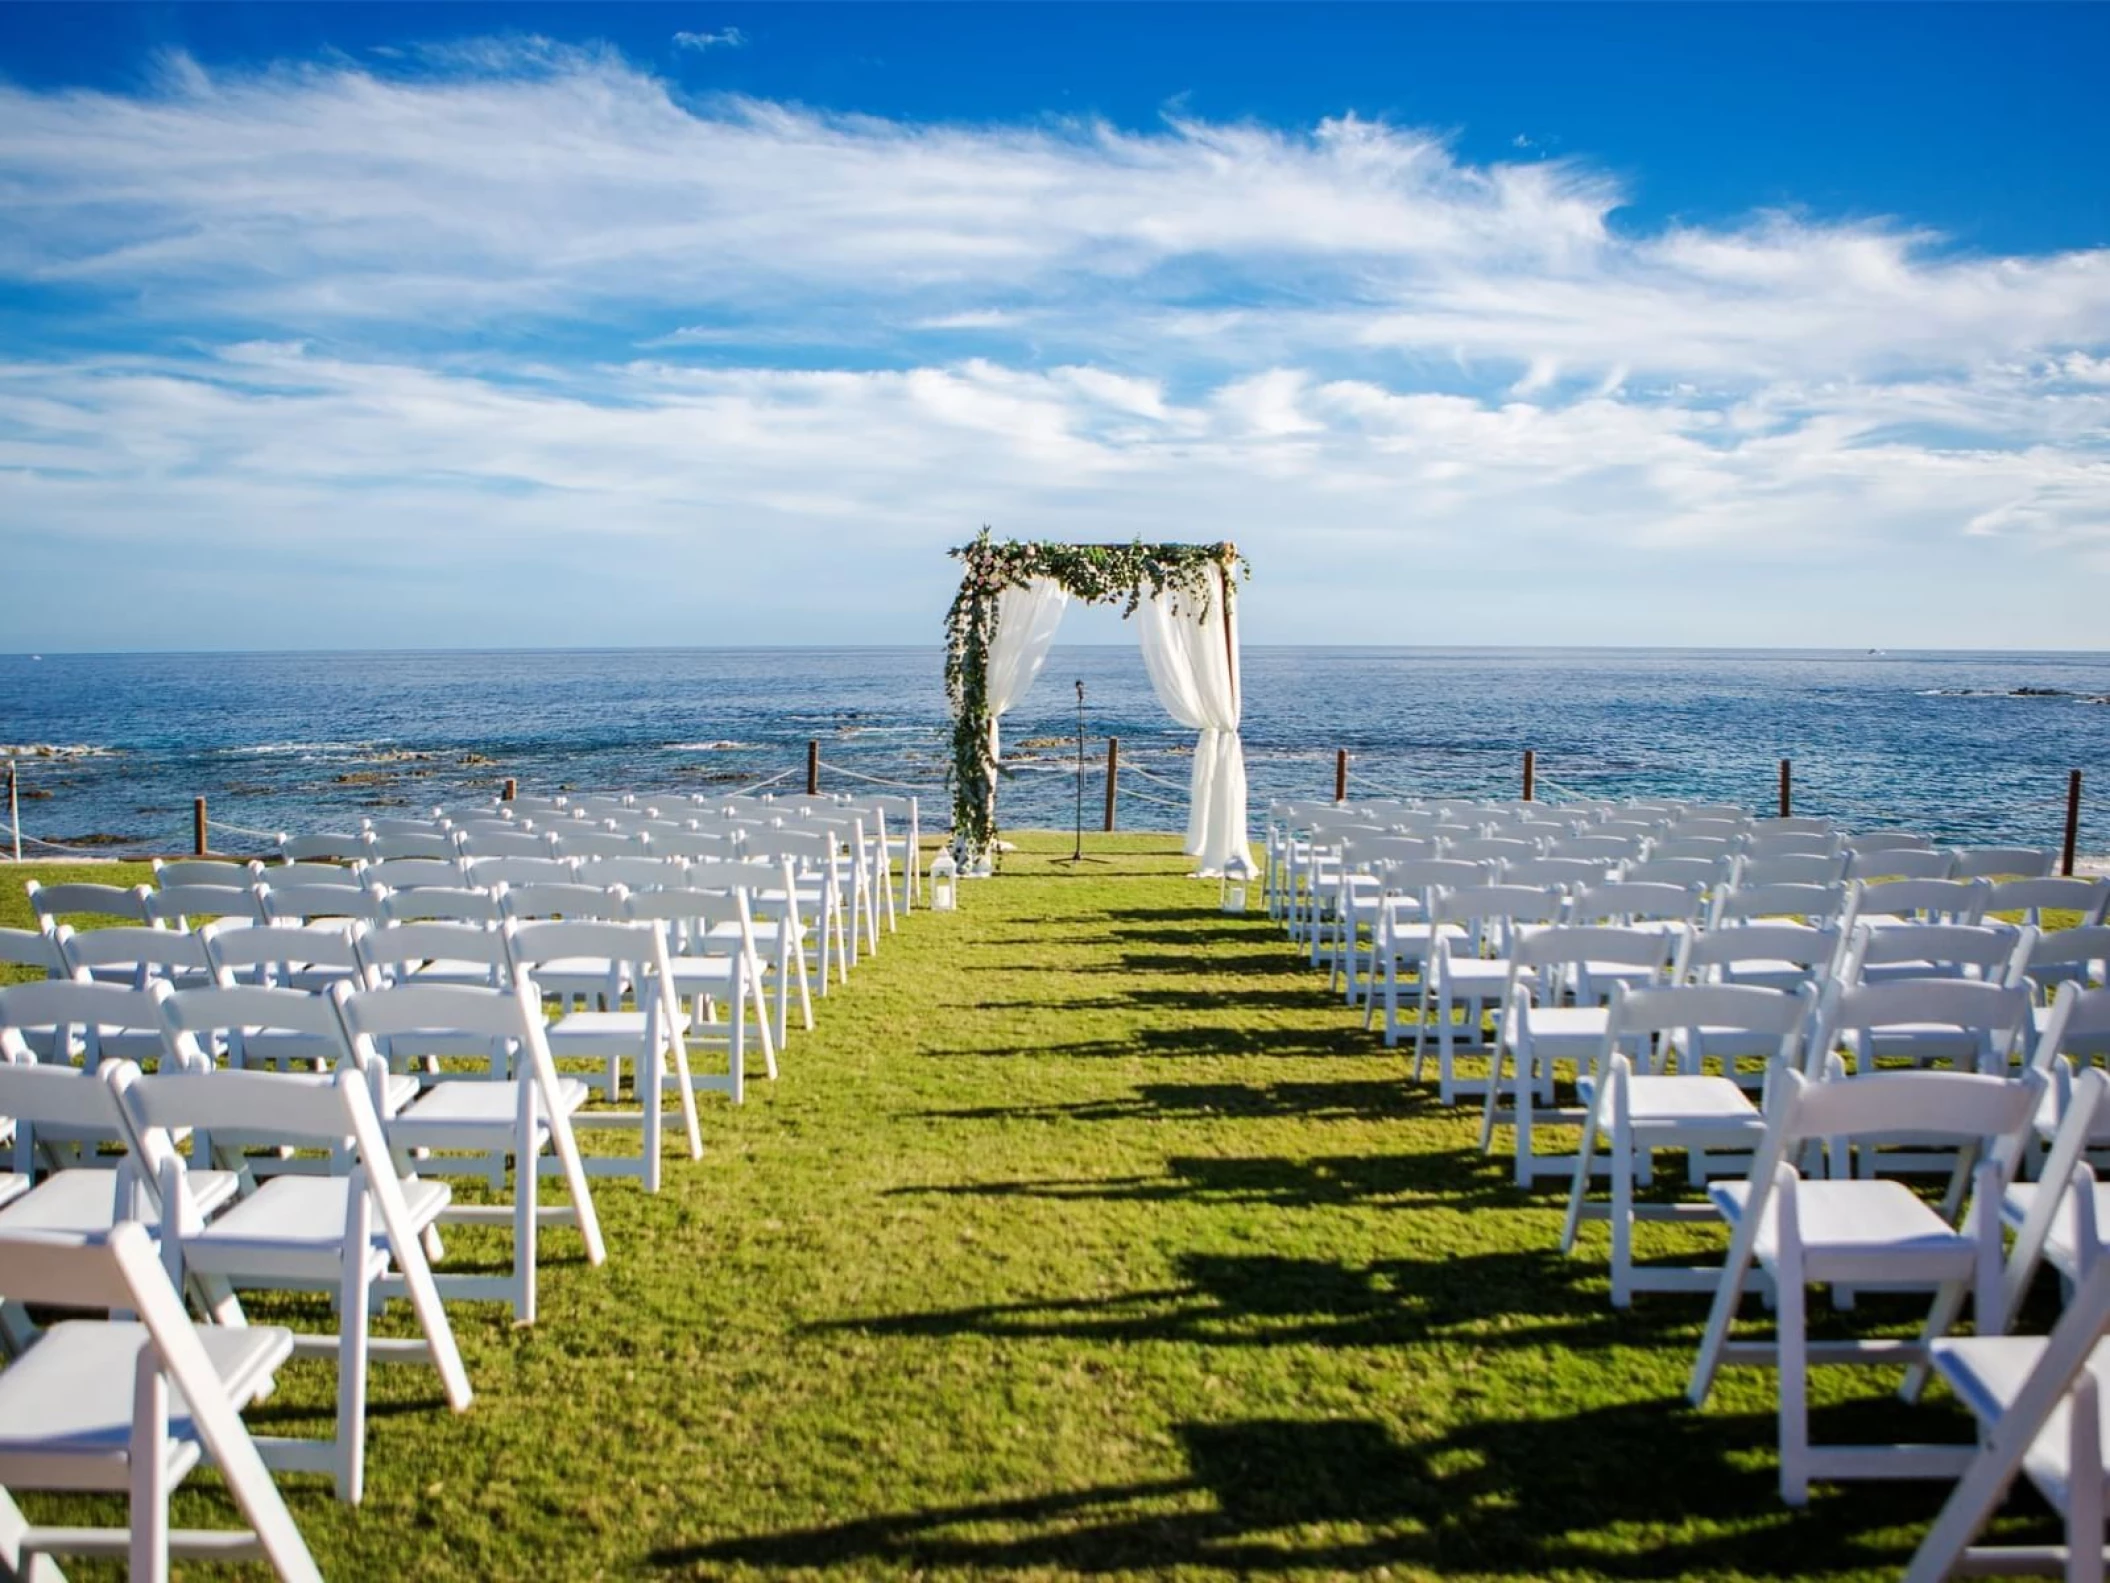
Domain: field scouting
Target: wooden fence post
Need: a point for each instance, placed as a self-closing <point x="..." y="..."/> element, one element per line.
<point x="1787" y="790"/>
<point x="813" y="768"/>
<point x="1113" y="768"/>
<point x="14" y="811"/>
<point x="197" y="826"/>
<point x="2073" y="820"/>
<point x="1340" y="774"/>
<point x="1531" y="774"/>
<point x="512" y="789"/>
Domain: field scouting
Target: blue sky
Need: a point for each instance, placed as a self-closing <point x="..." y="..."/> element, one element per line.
<point x="344" y="326"/>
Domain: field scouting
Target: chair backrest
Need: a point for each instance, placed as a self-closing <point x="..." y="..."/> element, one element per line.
<point x="55" y="1007"/>
<point x="1799" y="824"/>
<point x="55" y="903"/>
<point x="1482" y="905"/>
<point x="1370" y="850"/>
<point x="1713" y="849"/>
<point x="2007" y="862"/>
<point x="235" y="948"/>
<point x="303" y="903"/>
<point x="434" y="824"/>
<point x="1961" y="1106"/>
<point x="1887" y="841"/>
<point x="507" y="843"/>
<point x="2090" y="898"/>
<point x="562" y="901"/>
<point x="1742" y="904"/>
<point x="1997" y="1015"/>
<point x="749" y="874"/>
<point x="206" y="871"/>
<point x="1794" y="844"/>
<point x="808" y="848"/>
<point x="273" y="875"/>
<point x="1595" y="845"/>
<point x="1927" y="900"/>
<point x="155" y="952"/>
<point x="61" y="1096"/>
<point x="691" y="915"/>
<point x="707" y="844"/>
<point x="634" y="873"/>
<point x="2085" y="952"/>
<point x="385" y="952"/>
<point x="637" y="945"/>
<point x="345" y="846"/>
<point x="1487" y="849"/>
<point x="181" y="906"/>
<point x="1707" y="1011"/>
<point x="1790" y="868"/>
<point x="1900" y="863"/>
<point x="1573" y="872"/>
<point x="237" y="1007"/>
<point x="1685" y="872"/>
<point x="1567" y="945"/>
<point x="485" y="872"/>
<point x="434" y="845"/>
<point x="511" y="1013"/>
<point x="415" y="873"/>
<point x="1999" y="951"/>
<point x="429" y="902"/>
<point x="599" y="843"/>
<point x="1635" y="901"/>
<point x="1707" y="952"/>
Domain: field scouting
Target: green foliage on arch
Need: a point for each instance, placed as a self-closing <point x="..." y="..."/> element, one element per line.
<point x="1098" y="574"/>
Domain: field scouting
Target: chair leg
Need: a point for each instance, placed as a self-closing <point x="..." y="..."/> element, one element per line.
<point x="149" y="1539"/>
<point x="1791" y="1327"/>
<point x="354" y="1331"/>
<point x="1622" y="1163"/>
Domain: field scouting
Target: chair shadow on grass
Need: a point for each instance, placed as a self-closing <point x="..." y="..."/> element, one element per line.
<point x="1271" y="1300"/>
<point x="1440" y="1179"/>
<point x="1391" y="1100"/>
<point x="1607" y="1490"/>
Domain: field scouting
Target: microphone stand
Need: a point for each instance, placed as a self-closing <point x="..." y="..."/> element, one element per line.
<point x="1077" y="856"/>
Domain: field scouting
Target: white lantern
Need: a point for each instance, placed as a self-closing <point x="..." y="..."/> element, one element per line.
<point x="1231" y="897"/>
<point x="944" y="882"/>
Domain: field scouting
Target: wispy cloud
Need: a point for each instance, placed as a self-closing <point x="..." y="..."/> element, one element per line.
<point x="746" y="339"/>
<point x="723" y="38"/>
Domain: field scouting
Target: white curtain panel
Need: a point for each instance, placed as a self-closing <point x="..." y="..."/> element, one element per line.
<point x="1026" y="619"/>
<point x="1192" y="660"/>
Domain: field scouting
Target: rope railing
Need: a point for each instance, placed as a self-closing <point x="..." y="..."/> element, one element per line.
<point x="876" y="780"/>
<point x="1162" y="780"/>
<point x="10" y="834"/>
<point x="1152" y="797"/>
<point x="236" y="829"/>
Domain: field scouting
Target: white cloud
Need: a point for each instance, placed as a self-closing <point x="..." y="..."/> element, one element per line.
<point x="525" y="303"/>
<point x="723" y="38"/>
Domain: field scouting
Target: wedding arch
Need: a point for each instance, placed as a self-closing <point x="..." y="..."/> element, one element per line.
<point x="1002" y="623"/>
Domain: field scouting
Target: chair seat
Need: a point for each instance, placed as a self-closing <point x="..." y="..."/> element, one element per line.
<point x="468" y="1102"/>
<point x="2062" y="1240"/>
<point x="1691" y="1101"/>
<point x="296" y="1220"/>
<point x="12" y="1186"/>
<point x="84" y="1200"/>
<point x="1987" y="1374"/>
<point x="1469" y="971"/>
<point x="1567" y="1025"/>
<point x="70" y="1396"/>
<point x="1880" y="1227"/>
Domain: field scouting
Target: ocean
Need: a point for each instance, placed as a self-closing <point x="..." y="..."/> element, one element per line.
<point x="1971" y="747"/>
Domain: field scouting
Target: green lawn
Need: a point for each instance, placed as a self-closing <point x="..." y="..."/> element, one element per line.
<point x="1088" y="1236"/>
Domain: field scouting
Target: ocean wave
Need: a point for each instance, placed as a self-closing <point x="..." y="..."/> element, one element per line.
<point x="726" y="746"/>
<point x="54" y="750"/>
<point x="2014" y="692"/>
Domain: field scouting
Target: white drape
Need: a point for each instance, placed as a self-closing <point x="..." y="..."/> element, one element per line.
<point x="1193" y="663"/>
<point x="1026" y="619"/>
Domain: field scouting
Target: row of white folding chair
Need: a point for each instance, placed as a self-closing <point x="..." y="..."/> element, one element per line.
<point x="523" y="1112"/>
<point x="91" y="1407"/>
<point x="348" y="1232"/>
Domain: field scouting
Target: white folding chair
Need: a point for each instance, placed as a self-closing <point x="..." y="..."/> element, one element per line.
<point x="649" y="1036"/>
<point x="1471" y="974"/>
<point x="1674" y="1106"/>
<point x="1861" y="1233"/>
<point x="492" y="1118"/>
<point x="714" y="961"/>
<point x="341" y="1232"/>
<point x="1552" y="1011"/>
<point x="132" y="1407"/>
<point x="1404" y="930"/>
<point x="2002" y="862"/>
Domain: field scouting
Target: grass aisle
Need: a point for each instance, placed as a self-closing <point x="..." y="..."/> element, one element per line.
<point x="1088" y="1236"/>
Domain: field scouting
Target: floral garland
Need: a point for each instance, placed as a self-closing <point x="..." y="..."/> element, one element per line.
<point x="1098" y="574"/>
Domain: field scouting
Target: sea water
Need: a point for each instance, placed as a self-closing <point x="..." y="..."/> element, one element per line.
<point x="1971" y="747"/>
